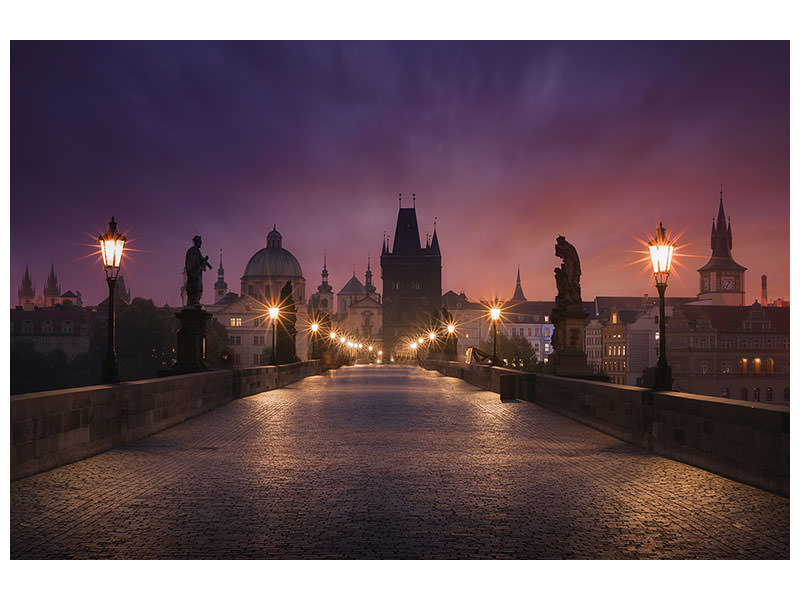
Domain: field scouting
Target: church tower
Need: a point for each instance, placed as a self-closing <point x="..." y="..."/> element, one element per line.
<point x="220" y="287"/>
<point x="721" y="278"/>
<point x="412" y="280"/>
<point x="518" y="295"/>
<point x="368" y="287"/>
<point x="26" y="293"/>
<point x="52" y="291"/>
<point x="324" y="290"/>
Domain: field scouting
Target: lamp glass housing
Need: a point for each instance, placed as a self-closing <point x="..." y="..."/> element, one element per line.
<point x="661" y="251"/>
<point x="111" y="246"/>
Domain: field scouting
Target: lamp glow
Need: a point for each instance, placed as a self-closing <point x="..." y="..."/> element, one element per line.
<point x="315" y="327"/>
<point x="494" y="312"/>
<point x="274" y="311"/>
<point x="451" y="328"/>
<point x="431" y="336"/>
<point x="661" y="251"/>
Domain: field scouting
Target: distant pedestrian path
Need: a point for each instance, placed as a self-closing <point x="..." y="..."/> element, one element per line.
<point x="388" y="462"/>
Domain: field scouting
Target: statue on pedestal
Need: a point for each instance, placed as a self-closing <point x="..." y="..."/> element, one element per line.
<point x="568" y="356"/>
<point x="191" y="348"/>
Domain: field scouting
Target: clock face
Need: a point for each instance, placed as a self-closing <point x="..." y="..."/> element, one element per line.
<point x="728" y="283"/>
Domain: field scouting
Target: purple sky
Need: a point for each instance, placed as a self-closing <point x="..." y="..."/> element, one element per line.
<point x="508" y="144"/>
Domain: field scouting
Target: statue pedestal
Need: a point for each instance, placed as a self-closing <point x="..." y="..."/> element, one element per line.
<point x="569" y="357"/>
<point x="191" y="341"/>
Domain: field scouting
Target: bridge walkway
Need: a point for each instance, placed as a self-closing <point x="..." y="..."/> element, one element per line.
<point x="388" y="462"/>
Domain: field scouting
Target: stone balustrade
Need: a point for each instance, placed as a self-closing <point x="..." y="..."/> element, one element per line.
<point x="745" y="441"/>
<point x="57" y="427"/>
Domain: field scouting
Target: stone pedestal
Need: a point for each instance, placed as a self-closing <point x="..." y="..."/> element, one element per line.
<point x="569" y="357"/>
<point x="191" y="340"/>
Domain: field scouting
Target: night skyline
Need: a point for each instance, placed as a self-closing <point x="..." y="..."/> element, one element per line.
<point x="507" y="144"/>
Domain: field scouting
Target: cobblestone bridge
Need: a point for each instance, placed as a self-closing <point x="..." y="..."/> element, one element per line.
<point x="388" y="462"/>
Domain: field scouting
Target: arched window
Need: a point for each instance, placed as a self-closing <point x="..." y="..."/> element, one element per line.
<point x="744" y="393"/>
<point x="756" y="366"/>
<point x="726" y="392"/>
<point x="770" y="366"/>
<point x="768" y="397"/>
<point x="756" y="394"/>
<point x="743" y="366"/>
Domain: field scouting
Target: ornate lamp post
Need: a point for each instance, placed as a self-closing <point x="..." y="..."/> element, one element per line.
<point x="661" y="250"/>
<point x="111" y="245"/>
<point x="274" y="313"/>
<point x="494" y="313"/>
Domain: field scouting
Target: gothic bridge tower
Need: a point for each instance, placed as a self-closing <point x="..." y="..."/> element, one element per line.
<point x="412" y="280"/>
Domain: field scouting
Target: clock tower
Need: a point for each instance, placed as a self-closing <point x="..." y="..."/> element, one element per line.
<point x="721" y="278"/>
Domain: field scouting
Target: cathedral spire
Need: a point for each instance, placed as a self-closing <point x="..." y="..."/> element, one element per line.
<point x="26" y="292"/>
<point x="518" y="295"/>
<point x="721" y="234"/>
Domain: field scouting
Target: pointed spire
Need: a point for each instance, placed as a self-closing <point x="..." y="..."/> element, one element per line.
<point x="400" y="200"/>
<point x="413" y="201"/>
<point x="519" y="296"/>
<point x="435" y="240"/>
<point x="370" y="289"/>
<point x="221" y="270"/>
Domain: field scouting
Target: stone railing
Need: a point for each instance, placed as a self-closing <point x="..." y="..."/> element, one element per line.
<point x="54" y="428"/>
<point x="745" y="441"/>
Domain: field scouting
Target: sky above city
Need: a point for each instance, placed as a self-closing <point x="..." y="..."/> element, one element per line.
<point x="507" y="145"/>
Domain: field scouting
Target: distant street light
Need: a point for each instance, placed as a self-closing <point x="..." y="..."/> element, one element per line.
<point x="313" y="340"/>
<point x="494" y="313"/>
<point x="274" y="313"/>
<point x="661" y="251"/>
<point x="431" y="336"/>
<point x="111" y="246"/>
<point x="451" y="328"/>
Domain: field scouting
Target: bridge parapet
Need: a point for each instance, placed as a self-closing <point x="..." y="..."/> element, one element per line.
<point x="53" y="428"/>
<point x="745" y="441"/>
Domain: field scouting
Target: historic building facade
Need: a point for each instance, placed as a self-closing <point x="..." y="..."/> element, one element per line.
<point x="412" y="281"/>
<point x="245" y="316"/>
<point x="739" y="352"/>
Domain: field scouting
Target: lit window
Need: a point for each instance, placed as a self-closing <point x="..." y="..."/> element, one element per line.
<point x="743" y="366"/>
<point x="236" y="321"/>
<point x="757" y="366"/>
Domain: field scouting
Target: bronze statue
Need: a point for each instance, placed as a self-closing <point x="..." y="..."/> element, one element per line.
<point x="196" y="263"/>
<point x="568" y="275"/>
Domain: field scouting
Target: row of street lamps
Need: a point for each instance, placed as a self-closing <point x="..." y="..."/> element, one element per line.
<point x="112" y="244"/>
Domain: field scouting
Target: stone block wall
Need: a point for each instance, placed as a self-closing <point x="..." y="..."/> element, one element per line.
<point x="57" y="427"/>
<point x="745" y="441"/>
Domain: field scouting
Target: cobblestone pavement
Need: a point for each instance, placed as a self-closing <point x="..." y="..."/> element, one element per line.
<point x="388" y="462"/>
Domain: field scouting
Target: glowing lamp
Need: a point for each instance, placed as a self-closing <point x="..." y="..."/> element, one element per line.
<point x="420" y="340"/>
<point x="274" y="311"/>
<point x="494" y="312"/>
<point x="315" y="327"/>
<point x="380" y="352"/>
<point x="451" y="328"/>
<point x="431" y="336"/>
<point x="111" y="246"/>
<point x="413" y="345"/>
<point x="333" y="335"/>
<point x="661" y="251"/>
<point x="369" y="348"/>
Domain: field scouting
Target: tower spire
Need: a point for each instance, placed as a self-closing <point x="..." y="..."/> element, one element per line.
<point x="518" y="295"/>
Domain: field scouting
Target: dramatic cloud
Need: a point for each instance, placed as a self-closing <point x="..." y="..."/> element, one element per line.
<point x="507" y="144"/>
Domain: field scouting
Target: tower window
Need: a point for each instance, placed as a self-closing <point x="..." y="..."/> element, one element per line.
<point x="236" y="321"/>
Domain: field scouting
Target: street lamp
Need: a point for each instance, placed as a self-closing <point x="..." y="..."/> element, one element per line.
<point x="661" y="251"/>
<point x="313" y="340"/>
<point x="494" y="313"/>
<point x="274" y="313"/>
<point x="111" y="245"/>
<point x="451" y="328"/>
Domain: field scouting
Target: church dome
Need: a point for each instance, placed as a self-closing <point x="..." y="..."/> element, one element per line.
<point x="273" y="261"/>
